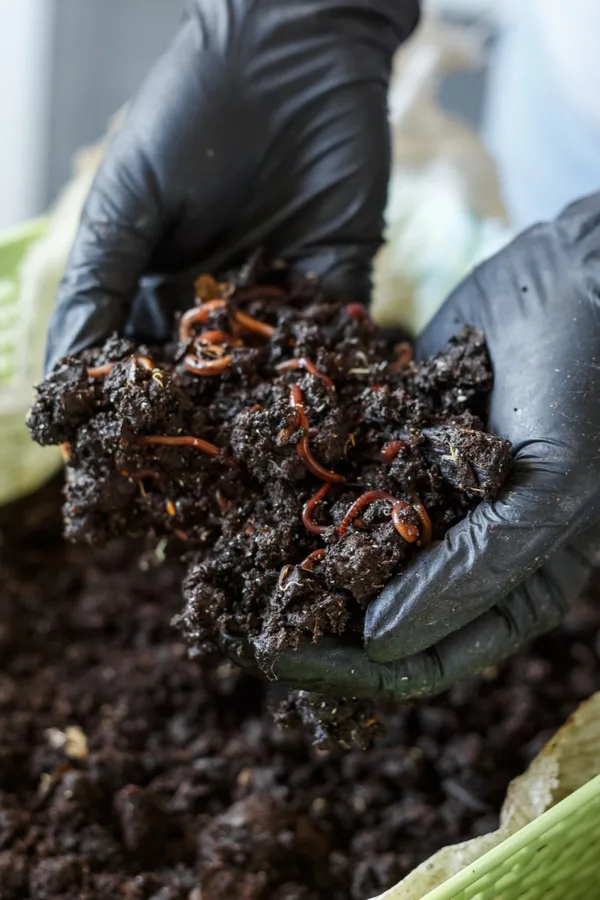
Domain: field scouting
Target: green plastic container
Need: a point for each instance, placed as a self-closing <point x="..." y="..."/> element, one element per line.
<point x="24" y="316"/>
<point x="14" y="244"/>
<point x="555" y="857"/>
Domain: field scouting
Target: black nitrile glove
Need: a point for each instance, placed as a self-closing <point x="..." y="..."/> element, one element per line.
<point x="263" y="125"/>
<point x="511" y="569"/>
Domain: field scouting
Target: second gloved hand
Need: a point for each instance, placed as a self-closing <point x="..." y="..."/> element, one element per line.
<point x="511" y="569"/>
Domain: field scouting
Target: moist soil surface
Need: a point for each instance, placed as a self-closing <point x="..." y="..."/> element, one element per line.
<point x="294" y="451"/>
<point x="128" y="770"/>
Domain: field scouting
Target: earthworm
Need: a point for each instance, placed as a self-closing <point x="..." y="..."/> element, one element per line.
<point x="100" y="371"/>
<point x="304" y="452"/>
<point x="302" y="447"/>
<point x="312" y="558"/>
<point x="285" y="433"/>
<point x="182" y="535"/>
<point x="212" y="351"/>
<point x="357" y="311"/>
<point x="300" y="362"/>
<point x="218" y="337"/>
<point x="426" y="526"/>
<point x="106" y="369"/>
<point x="297" y="403"/>
<point x="409" y="532"/>
<point x="390" y="451"/>
<point x="300" y="420"/>
<point x="309" y="508"/>
<point x="144" y="362"/>
<point x="364" y="500"/>
<point x="197" y="316"/>
<point x="183" y="441"/>
<point x="252" y="324"/>
<point x="206" y="366"/>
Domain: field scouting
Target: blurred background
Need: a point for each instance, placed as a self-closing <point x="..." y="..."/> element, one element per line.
<point x="71" y="64"/>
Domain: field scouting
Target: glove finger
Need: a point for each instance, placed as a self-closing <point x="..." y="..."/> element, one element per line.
<point x="531" y="610"/>
<point x="332" y="226"/>
<point x="464" y="306"/>
<point x="333" y="669"/>
<point x="117" y="232"/>
<point x="480" y="561"/>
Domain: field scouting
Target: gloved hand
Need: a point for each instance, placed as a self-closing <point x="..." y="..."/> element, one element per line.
<point x="511" y="569"/>
<point x="263" y="125"/>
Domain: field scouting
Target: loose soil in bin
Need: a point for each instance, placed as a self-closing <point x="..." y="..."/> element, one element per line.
<point x="297" y="454"/>
<point x="128" y="771"/>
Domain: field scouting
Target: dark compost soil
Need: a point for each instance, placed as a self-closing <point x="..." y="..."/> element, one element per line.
<point x="128" y="771"/>
<point x="296" y="452"/>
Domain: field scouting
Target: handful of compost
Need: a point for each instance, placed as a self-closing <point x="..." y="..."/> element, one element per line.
<point x="298" y="455"/>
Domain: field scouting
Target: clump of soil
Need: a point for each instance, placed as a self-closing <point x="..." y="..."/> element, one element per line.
<point x="128" y="770"/>
<point x="298" y="454"/>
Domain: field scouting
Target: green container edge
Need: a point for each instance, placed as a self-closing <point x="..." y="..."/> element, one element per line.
<point x="509" y="847"/>
<point x="37" y="464"/>
<point x="15" y="241"/>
